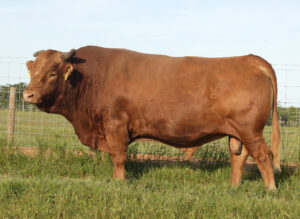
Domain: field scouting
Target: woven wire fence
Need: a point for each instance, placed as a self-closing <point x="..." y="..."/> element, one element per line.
<point x="36" y="128"/>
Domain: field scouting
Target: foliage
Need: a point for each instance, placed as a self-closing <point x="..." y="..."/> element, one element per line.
<point x="289" y="116"/>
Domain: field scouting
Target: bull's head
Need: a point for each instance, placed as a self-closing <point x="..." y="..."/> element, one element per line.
<point x="50" y="69"/>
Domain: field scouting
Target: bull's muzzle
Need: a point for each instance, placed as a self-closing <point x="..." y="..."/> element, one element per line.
<point x="29" y="96"/>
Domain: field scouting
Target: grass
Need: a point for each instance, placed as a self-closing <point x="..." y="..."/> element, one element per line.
<point x="35" y="128"/>
<point x="31" y="127"/>
<point x="63" y="185"/>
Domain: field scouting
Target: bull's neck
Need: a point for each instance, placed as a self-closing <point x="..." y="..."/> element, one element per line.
<point x="70" y="102"/>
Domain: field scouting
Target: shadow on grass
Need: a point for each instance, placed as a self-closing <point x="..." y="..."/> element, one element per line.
<point x="252" y="173"/>
<point x="135" y="169"/>
<point x="210" y="159"/>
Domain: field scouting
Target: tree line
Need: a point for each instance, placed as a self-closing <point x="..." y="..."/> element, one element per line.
<point x="289" y="116"/>
<point x="20" y="104"/>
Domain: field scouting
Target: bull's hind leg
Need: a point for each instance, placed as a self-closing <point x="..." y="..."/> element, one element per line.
<point x="237" y="160"/>
<point x="260" y="152"/>
<point x="189" y="152"/>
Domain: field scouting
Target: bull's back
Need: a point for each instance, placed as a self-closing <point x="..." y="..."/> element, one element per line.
<point x="190" y="83"/>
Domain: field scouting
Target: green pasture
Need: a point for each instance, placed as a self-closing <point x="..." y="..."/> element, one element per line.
<point x="36" y="128"/>
<point x="63" y="185"/>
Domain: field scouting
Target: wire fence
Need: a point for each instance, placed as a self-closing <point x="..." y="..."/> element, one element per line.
<point x="36" y="128"/>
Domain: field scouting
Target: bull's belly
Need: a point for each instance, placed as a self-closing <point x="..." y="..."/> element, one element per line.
<point x="185" y="130"/>
<point x="182" y="141"/>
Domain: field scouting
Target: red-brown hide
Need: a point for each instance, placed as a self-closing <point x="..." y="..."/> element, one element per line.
<point x="115" y="96"/>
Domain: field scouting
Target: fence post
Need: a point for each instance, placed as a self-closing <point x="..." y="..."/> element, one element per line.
<point x="11" y="114"/>
<point x="23" y="105"/>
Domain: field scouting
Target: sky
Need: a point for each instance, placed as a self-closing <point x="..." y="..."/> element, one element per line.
<point x="217" y="28"/>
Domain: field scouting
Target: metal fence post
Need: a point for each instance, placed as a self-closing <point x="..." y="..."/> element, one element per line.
<point x="11" y="114"/>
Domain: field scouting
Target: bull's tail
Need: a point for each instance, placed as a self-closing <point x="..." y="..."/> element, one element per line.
<point x="275" y="140"/>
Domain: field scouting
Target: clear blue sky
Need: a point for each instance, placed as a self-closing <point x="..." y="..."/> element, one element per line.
<point x="269" y="28"/>
<point x="187" y="27"/>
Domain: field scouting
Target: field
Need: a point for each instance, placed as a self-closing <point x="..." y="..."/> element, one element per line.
<point x="64" y="181"/>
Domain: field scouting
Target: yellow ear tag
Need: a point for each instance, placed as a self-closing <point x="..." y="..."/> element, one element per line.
<point x="29" y="74"/>
<point x="67" y="74"/>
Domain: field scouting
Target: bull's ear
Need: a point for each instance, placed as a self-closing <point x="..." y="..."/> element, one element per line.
<point x="68" y="71"/>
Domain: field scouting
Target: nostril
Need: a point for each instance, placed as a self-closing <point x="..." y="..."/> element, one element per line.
<point x="27" y="96"/>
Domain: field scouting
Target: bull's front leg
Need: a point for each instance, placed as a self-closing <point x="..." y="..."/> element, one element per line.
<point x="117" y="140"/>
<point x="117" y="149"/>
<point x="118" y="159"/>
<point x="118" y="153"/>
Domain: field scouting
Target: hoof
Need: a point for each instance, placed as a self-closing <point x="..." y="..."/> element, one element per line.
<point x="277" y="170"/>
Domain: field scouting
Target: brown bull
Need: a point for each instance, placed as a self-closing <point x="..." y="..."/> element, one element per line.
<point x="113" y="97"/>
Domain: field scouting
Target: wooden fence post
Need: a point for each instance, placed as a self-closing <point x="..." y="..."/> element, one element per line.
<point x="11" y="114"/>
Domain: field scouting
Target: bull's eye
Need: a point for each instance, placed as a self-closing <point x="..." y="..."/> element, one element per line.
<point x="53" y="74"/>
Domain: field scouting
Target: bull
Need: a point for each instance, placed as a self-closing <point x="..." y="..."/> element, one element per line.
<point x="113" y="97"/>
